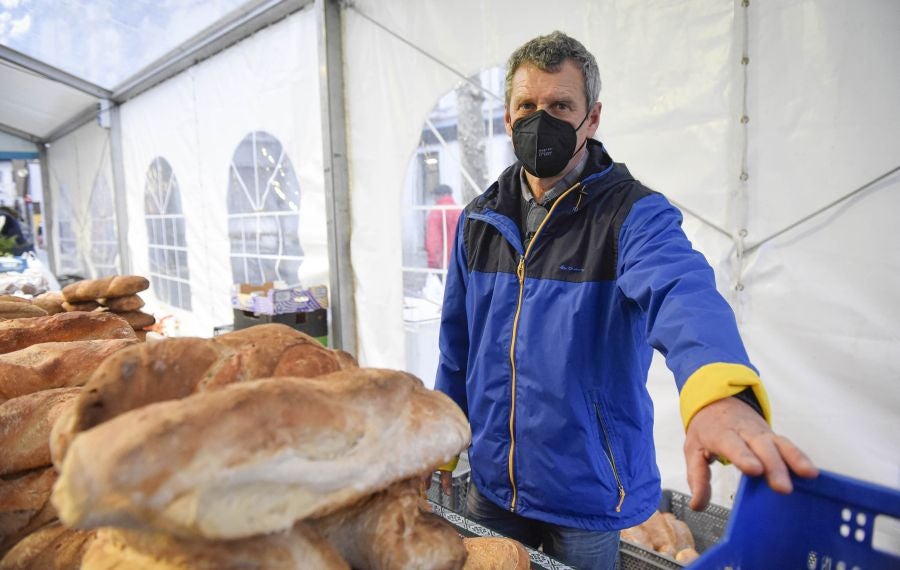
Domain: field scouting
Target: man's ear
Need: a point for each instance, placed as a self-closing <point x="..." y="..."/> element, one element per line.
<point x="506" y="121"/>
<point x="594" y="119"/>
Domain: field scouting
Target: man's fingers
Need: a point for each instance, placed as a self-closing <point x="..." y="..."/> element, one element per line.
<point x="763" y="445"/>
<point x="798" y="461"/>
<point x="735" y="449"/>
<point x="698" y="478"/>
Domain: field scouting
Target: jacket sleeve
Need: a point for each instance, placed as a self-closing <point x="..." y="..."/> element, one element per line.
<point x="687" y="320"/>
<point x="454" y="334"/>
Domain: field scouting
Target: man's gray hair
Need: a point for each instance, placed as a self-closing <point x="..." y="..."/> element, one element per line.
<point x="548" y="53"/>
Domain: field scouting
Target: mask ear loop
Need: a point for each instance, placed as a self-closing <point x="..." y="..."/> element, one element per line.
<point x="586" y="115"/>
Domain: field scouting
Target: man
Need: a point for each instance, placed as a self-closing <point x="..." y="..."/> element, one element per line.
<point x="440" y="227"/>
<point x="567" y="273"/>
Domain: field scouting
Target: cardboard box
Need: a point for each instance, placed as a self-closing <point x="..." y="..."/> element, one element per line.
<point x="313" y="323"/>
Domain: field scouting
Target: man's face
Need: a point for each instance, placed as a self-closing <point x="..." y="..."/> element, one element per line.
<point x="560" y="94"/>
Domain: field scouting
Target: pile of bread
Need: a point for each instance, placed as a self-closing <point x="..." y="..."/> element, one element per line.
<point x="116" y="294"/>
<point x="666" y="535"/>
<point x="256" y="449"/>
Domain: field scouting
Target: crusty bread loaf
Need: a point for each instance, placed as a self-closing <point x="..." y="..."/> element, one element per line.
<point x="25" y="424"/>
<point x="635" y="534"/>
<point x="63" y="327"/>
<point x="174" y="368"/>
<point x="687" y="555"/>
<point x="494" y="553"/>
<point x="25" y="505"/>
<point x="684" y="539"/>
<point x="86" y="306"/>
<point x="300" y="548"/>
<point x="105" y="287"/>
<point x="53" y="365"/>
<point x="15" y="308"/>
<point x="254" y="457"/>
<point x="53" y="547"/>
<point x="123" y="304"/>
<point x="50" y="301"/>
<point x="138" y="319"/>
<point x="390" y="530"/>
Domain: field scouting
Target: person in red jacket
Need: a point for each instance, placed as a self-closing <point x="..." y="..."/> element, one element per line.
<point x="440" y="227"/>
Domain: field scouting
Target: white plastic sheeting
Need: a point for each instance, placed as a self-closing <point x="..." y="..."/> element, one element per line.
<point x="268" y="82"/>
<point x="817" y="305"/>
<point x="79" y="166"/>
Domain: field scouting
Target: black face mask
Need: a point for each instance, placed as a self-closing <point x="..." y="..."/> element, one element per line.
<point x="545" y="144"/>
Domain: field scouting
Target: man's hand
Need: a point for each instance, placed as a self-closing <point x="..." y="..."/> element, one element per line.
<point x="731" y="429"/>
<point x="446" y="482"/>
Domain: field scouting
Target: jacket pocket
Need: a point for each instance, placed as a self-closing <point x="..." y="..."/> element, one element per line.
<point x="606" y="444"/>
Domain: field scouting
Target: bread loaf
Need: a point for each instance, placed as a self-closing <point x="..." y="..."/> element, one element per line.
<point x="494" y="553"/>
<point x="138" y="319"/>
<point x="254" y="457"/>
<point x="51" y="547"/>
<point x="684" y="539"/>
<point x="25" y="424"/>
<point x="19" y="309"/>
<point x="174" y="368"/>
<point x="391" y="530"/>
<point x="300" y="548"/>
<point x="686" y="556"/>
<point x="14" y="299"/>
<point x="50" y="301"/>
<point x="123" y="304"/>
<point x="113" y="286"/>
<point x="86" y="306"/>
<point x="53" y="365"/>
<point x="63" y="327"/>
<point x="25" y="505"/>
<point x="635" y="534"/>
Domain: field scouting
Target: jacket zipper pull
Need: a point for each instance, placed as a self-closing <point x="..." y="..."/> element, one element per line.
<point x="621" y="499"/>
<point x="520" y="270"/>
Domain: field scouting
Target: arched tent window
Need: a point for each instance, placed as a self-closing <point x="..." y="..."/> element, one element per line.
<point x="104" y="241"/>
<point x="462" y="149"/>
<point x="69" y="260"/>
<point x="263" y="212"/>
<point x="169" y="275"/>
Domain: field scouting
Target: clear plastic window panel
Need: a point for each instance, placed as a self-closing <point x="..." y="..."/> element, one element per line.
<point x="263" y="212"/>
<point x="104" y="240"/>
<point x="70" y="261"/>
<point x="166" y="236"/>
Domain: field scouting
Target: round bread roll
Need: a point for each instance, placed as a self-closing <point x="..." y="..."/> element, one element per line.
<point x="51" y="302"/>
<point x="123" y="304"/>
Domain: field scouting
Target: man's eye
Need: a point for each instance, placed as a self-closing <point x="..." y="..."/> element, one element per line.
<point x="527" y="106"/>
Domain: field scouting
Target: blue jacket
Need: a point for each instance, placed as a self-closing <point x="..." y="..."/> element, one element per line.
<point x="547" y="349"/>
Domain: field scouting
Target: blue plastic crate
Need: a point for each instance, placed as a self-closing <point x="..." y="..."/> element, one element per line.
<point x="827" y="523"/>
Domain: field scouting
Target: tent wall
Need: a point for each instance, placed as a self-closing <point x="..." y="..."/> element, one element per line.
<point x="79" y="166"/>
<point x="814" y="305"/>
<point x="196" y="121"/>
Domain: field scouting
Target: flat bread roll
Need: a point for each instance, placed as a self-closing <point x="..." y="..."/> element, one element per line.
<point x="63" y="327"/>
<point x="173" y="368"/>
<point x="123" y="304"/>
<point x="390" y="530"/>
<point x="491" y="553"/>
<point x="86" y="306"/>
<point x="50" y="301"/>
<point x="255" y="457"/>
<point x="51" y="547"/>
<point x="300" y="548"/>
<point x="19" y="308"/>
<point x="105" y="287"/>
<point x="138" y="319"/>
<point x="25" y="424"/>
<point x="53" y="365"/>
<point x="25" y="505"/>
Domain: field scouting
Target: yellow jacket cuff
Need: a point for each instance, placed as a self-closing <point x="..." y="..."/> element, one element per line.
<point x="720" y="380"/>
<point x="450" y="465"/>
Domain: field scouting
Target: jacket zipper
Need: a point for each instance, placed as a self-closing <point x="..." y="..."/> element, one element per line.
<point x="611" y="458"/>
<point x="520" y="273"/>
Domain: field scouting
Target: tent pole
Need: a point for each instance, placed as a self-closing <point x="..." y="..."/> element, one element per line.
<point x="337" y="188"/>
<point x="47" y="217"/>
<point x="119" y="194"/>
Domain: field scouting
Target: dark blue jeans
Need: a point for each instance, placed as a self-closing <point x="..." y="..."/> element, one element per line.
<point x="581" y="549"/>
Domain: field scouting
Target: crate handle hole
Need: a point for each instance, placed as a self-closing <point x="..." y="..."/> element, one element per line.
<point x="886" y="535"/>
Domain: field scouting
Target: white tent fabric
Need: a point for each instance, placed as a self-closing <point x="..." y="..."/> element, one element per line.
<point x="268" y="82"/>
<point x="78" y="162"/>
<point x="35" y="105"/>
<point x="815" y="304"/>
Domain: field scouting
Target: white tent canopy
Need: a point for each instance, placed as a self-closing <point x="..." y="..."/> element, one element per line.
<point x="767" y="123"/>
